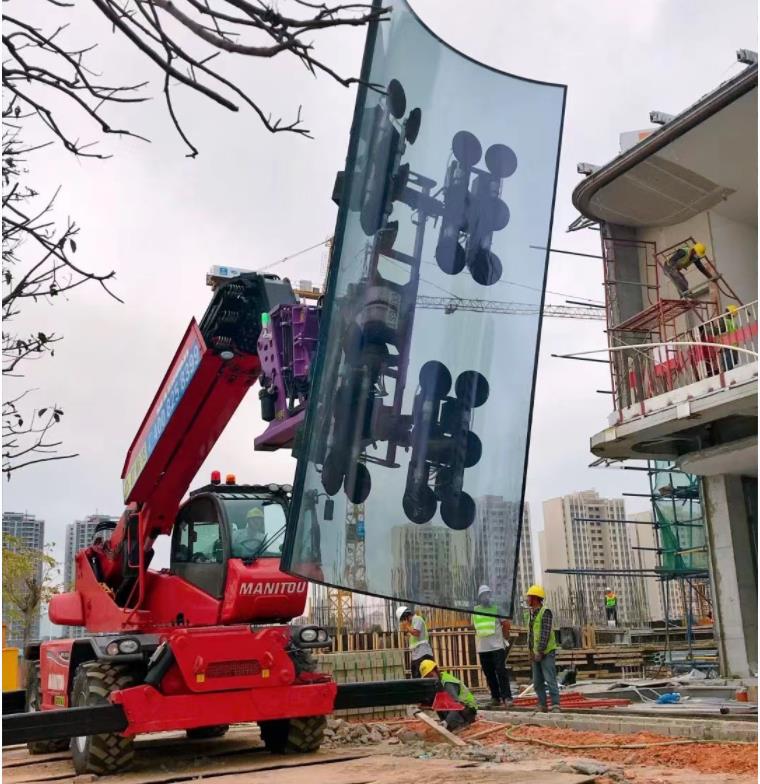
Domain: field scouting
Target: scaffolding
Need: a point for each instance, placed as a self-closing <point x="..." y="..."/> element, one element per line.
<point x="639" y="311"/>
<point x="679" y="524"/>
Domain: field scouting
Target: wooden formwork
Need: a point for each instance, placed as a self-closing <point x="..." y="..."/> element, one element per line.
<point x="455" y="651"/>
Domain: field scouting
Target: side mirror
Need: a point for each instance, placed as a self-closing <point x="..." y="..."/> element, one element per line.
<point x="329" y="509"/>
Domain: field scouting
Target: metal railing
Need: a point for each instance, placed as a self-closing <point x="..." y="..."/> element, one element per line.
<point x="647" y="373"/>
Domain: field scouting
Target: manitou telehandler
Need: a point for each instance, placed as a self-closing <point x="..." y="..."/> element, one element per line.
<point x="206" y="642"/>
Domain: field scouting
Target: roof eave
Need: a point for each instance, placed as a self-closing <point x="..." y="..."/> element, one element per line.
<point x="709" y="105"/>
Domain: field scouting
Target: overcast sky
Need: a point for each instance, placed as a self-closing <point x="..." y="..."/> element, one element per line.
<point x="160" y="220"/>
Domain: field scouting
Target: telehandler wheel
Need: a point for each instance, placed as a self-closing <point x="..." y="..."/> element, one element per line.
<point x="293" y="736"/>
<point x="34" y="703"/>
<point x="100" y="754"/>
<point x="213" y="731"/>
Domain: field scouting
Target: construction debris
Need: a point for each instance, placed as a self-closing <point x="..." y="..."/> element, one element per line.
<point x="449" y="737"/>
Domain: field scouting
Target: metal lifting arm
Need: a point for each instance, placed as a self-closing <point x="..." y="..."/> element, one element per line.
<point x="211" y="372"/>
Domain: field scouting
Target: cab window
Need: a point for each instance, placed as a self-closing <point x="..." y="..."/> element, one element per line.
<point x="199" y="542"/>
<point x="198" y="546"/>
<point x="257" y="528"/>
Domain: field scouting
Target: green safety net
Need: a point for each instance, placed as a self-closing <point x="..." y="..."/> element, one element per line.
<point x="677" y="503"/>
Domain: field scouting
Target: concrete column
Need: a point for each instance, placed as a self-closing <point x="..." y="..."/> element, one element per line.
<point x="734" y="580"/>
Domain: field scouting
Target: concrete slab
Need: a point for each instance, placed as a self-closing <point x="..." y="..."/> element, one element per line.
<point x="698" y="728"/>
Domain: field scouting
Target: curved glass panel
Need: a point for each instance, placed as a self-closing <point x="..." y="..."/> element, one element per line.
<point x="417" y="430"/>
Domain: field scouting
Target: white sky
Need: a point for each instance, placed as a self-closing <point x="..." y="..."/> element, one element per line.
<point x="160" y="220"/>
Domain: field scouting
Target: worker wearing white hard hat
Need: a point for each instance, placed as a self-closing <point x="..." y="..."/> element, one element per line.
<point x="419" y="645"/>
<point x="492" y="643"/>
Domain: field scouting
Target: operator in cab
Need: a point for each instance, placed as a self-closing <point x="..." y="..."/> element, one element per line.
<point x="249" y="534"/>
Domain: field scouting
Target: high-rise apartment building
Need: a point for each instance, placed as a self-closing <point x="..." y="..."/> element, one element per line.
<point x="526" y="573"/>
<point x="418" y="554"/>
<point x="30" y="533"/>
<point x="581" y="533"/>
<point x="79" y="534"/>
<point x="495" y="548"/>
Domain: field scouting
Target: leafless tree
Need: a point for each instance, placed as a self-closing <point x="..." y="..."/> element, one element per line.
<point x="49" y="80"/>
<point x="183" y="39"/>
<point x="37" y="265"/>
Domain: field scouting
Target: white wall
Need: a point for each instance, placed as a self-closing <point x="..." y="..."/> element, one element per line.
<point x="734" y="247"/>
<point x="731" y="246"/>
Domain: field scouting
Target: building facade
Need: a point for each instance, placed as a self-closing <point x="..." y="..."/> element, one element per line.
<point x="418" y="552"/>
<point x="30" y="532"/>
<point x="526" y="571"/>
<point x="683" y="342"/>
<point x="582" y="536"/>
<point x="79" y="535"/>
<point x="496" y="547"/>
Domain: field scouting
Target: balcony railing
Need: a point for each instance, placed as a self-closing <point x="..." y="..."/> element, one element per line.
<point x="642" y="374"/>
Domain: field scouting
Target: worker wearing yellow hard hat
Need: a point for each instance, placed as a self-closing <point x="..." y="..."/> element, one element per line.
<point x="250" y="533"/>
<point x="452" y="719"/>
<point x="728" y="325"/>
<point x="681" y="260"/>
<point x="542" y="646"/>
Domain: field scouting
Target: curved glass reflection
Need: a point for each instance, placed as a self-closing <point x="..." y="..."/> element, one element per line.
<point x="410" y="478"/>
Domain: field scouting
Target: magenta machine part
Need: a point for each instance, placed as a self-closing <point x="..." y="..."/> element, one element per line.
<point x="286" y="346"/>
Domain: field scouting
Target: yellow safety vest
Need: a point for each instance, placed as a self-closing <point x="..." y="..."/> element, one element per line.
<point x="465" y="695"/>
<point x="551" y="644"/>
<point x="415" y="641"/>
<point x="485" y="625"/>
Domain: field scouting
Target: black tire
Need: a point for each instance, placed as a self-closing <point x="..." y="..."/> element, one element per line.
<point x="33" y="704"/>
<point x="100" y="754"/>
<point x="202" y="733"/>
<point x="293" y="736"/>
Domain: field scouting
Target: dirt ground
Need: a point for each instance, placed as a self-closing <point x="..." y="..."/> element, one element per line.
<point x="718" y="760"/>
<point x="397" y="751"/>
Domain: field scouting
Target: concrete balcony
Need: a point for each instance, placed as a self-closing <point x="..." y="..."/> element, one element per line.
<point x="696" y="404"/>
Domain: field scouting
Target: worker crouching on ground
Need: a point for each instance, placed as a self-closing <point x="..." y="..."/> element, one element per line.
<point x="453" y="719"/>
<point x="419" y="645"/>
<point x="542" y="646"/>
<point x="492" y="641"/>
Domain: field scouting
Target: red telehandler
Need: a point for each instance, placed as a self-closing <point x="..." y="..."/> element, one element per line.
<point x="206" y="642"/>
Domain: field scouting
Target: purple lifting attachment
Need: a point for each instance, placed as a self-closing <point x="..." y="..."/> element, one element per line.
<point x="286" y="346"/>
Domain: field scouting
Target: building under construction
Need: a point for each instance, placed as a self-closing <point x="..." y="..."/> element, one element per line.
<point x="683" y="358"/>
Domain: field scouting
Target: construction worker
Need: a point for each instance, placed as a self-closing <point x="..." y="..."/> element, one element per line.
<point x="419" y="645"/>
<point x="492" y="642"/>
<point x="726" y="325"/>
<point x="682" y="259"/>
<point x="542" y="646"/>
<point x="453" y="719"/>
<point x="249" y="534"/>
<point x="610" y="605"/>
